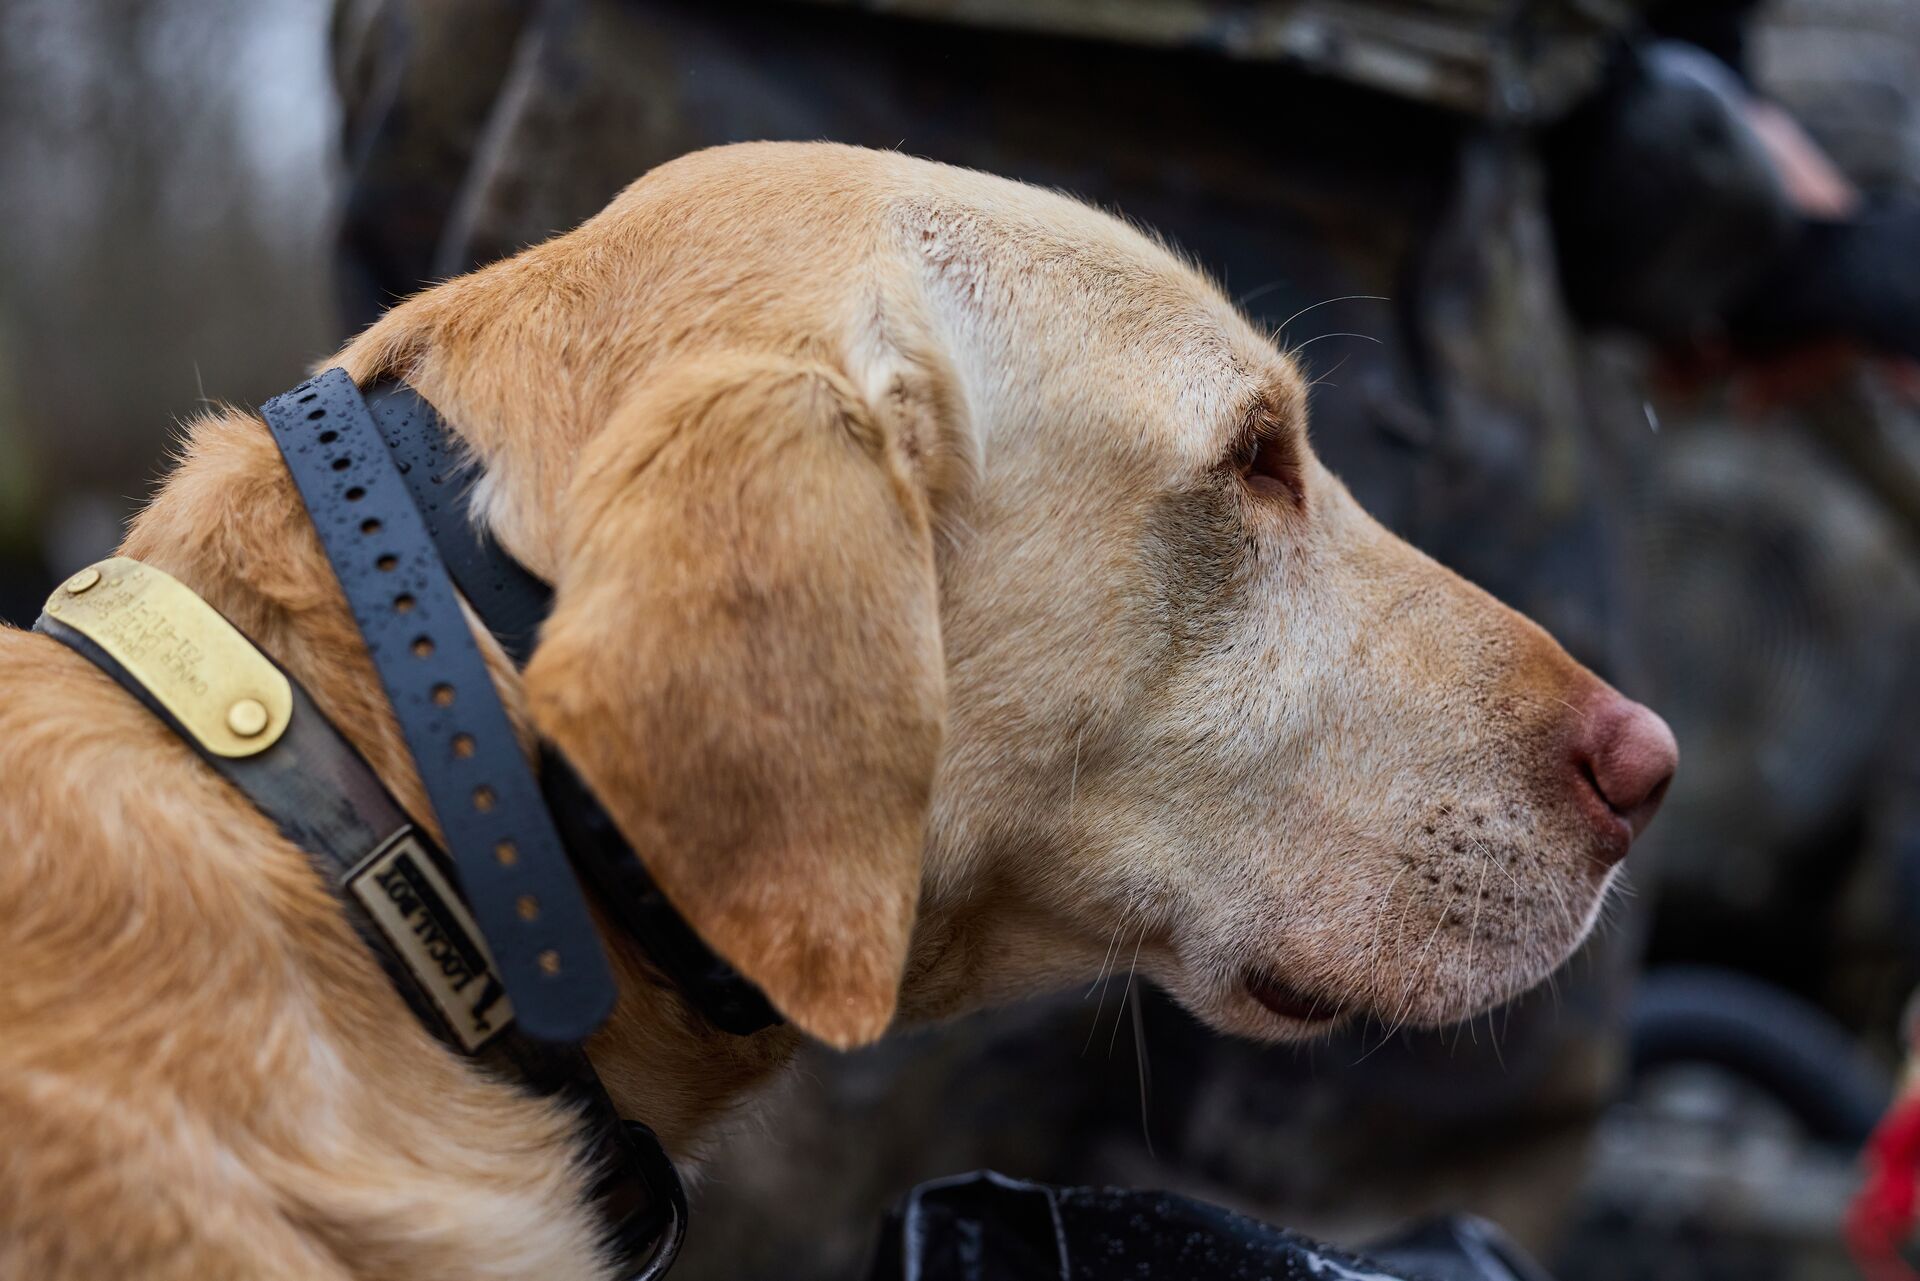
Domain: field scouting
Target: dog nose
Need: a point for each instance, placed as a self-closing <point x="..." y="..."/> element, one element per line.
<point x="1627" y="755"/>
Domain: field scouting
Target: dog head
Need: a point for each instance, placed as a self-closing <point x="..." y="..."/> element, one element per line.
<point x="948" y="596"/>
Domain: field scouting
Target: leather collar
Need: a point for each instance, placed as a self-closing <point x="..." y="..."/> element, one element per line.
<point x="256" y="727"/>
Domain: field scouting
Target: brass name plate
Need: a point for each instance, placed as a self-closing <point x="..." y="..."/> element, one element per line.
<point x="194" y="662"/>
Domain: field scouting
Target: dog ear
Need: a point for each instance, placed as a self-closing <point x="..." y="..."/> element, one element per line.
<point x="744" y="662"/>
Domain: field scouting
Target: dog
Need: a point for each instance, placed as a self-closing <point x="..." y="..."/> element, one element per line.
<point x="946" y="596"/>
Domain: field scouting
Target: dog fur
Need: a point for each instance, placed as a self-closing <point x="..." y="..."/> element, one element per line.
<point x="947" y="600"/>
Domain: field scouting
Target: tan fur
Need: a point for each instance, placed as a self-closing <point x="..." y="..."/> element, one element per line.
<point x="913" y="620"/>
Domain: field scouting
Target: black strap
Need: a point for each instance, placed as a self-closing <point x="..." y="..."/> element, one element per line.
<point x="507" y="854"/>
<point x="510" y="601"/>
<point x="513" y="603"/>
<point x="728" y="999"/>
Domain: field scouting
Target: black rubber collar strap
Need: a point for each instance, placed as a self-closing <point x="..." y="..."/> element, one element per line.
<point x="504" y="847"/>
<point x="512" y="603"/>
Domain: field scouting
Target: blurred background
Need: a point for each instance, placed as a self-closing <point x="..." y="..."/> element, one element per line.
<point x="1613" y="307"/>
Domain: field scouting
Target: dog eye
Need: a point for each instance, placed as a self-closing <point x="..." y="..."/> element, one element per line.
<point x="1268" y="464"/>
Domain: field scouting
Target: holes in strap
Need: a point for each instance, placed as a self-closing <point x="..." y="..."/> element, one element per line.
<point x="462" y="744"/>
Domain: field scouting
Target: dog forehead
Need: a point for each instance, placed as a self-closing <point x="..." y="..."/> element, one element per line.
<point x="1075" y="311"/>
<point x="1016" y="249"/>
<point x="1050" y="308"/>
<point x="1030" y="261"/>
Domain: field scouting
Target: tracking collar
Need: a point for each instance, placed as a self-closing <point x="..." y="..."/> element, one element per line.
<point x="393" y="507"/>
<point x="512" y="603"/>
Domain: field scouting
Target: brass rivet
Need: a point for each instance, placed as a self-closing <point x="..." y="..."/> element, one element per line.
<point x="247" y="717"/>
<point x="83" y="580"/>
<point x="549" y="962"/>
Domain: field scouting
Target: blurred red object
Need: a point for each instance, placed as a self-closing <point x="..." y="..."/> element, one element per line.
<point x="1880" y="1224"/>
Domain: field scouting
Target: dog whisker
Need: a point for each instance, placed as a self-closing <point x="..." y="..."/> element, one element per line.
<point x="1145" y="1075"/>
<point x="1487" y="854"/>
<point x="1101" y="973"/>
<point x="1322" y="379"/>
<point x="1406" y="1004"/>
<point x="1566" y="911"/>
<point x="1317" y="337"/>
<point x="1102" y="981"/>
<point x="1127" y="991"/>
<point x="1473" y="931"/>
<point x="1584" y="716"/>
<point x="1418" y="967"/>
<point x="1261" y="291"/>
<point x="1376" y="956"/>
<point x="1327" y="302"/>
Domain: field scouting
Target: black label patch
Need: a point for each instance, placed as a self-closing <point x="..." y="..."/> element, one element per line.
<point x="428" y="926"/>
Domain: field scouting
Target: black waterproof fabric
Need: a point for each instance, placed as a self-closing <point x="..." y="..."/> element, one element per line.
<point x="988" y="1227"/>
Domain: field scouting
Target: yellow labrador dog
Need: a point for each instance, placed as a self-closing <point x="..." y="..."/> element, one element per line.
<point x="945" y="587"/>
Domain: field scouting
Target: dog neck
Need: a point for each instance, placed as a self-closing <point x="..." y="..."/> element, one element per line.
<point x="229" y="523"/>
